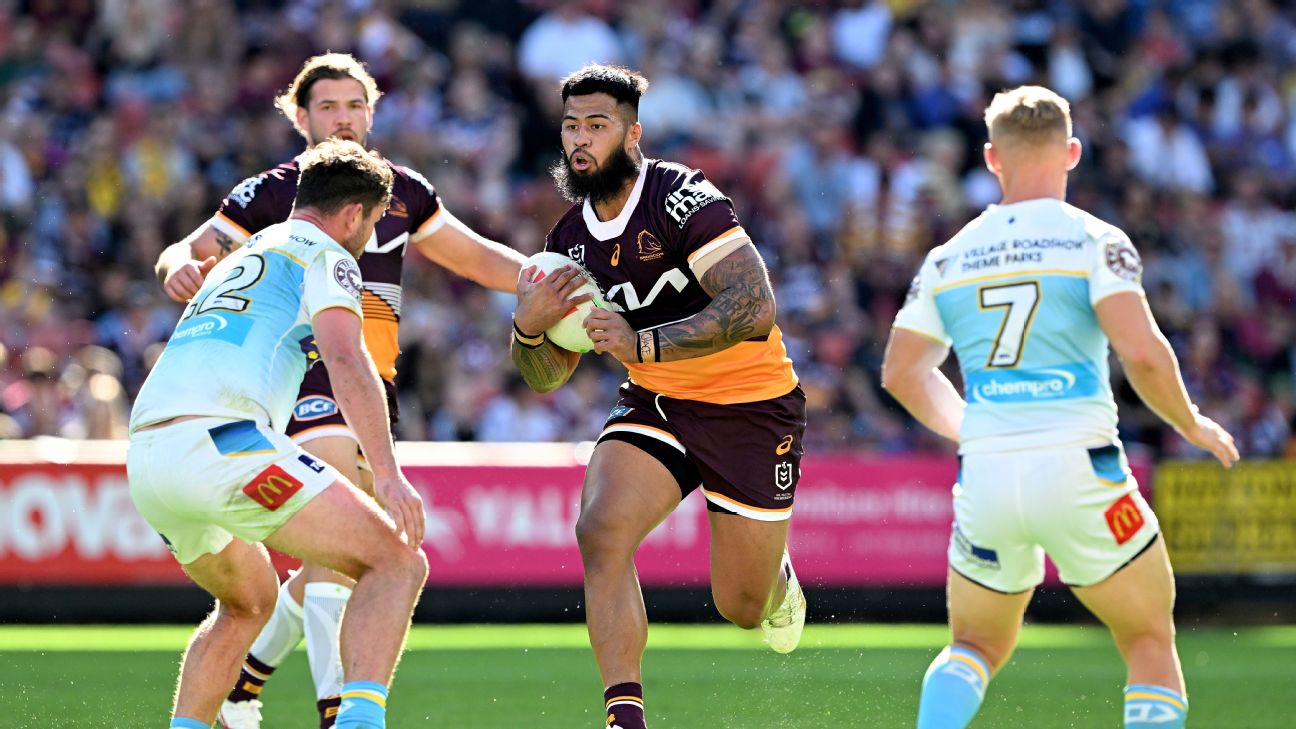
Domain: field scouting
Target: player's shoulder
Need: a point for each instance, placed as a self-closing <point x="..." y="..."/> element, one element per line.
<point x="570" y="223"/>
<point x="1095" y="228"/>
<point x="410" y="178"/>
<point x="275" y="182"/>
<point x="681" y="191"/>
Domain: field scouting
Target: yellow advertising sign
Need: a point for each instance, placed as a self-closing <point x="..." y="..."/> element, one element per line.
<point x="1241" y="521"/>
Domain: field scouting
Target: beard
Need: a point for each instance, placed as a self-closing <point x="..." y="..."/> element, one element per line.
<point x="600" y="183"/>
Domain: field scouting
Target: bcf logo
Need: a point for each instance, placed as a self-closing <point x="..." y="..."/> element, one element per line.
<point x="314" y="408"/>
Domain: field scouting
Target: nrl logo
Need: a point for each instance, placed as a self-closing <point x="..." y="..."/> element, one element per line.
<point x="783" y="475"/>
<point x="650" y="248"/>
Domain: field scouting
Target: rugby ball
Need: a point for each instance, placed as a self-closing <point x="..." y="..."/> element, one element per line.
<point x="568" y="333"/>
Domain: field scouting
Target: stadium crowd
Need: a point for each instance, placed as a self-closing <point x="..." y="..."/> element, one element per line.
<point x="848" y="134"/>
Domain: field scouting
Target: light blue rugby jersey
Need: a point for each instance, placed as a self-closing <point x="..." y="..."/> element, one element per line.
<point x="245" y="339"/>
<point x="1013" y="292"/>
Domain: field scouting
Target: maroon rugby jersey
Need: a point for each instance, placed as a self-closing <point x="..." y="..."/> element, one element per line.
<point x="643" y="261"/>
<point x="267" y="198"/>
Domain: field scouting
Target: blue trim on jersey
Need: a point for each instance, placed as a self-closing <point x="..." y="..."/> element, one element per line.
<point x="238" y="438"/>
<point x="1107" y="464"/>
<point x="1060" y="382"/>
<point x="227" y="327"/>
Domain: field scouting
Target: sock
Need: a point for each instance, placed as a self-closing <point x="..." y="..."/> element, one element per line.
<point x="323" y="604"/>
<point x="625" y="709"/>
<point x="178" y="722"/>
<point x="952" y="689"/>
<point x="364" y="706"/>
<point x="277" y="639"/>
<point x="1154" y="707"/>
<point x="328" y="709"/>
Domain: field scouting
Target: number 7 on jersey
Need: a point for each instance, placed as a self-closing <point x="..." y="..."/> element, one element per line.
<point x="1019" y="300"/>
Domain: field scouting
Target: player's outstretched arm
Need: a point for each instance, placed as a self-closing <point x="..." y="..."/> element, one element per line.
<point x="542" y="304"/>
<point x="742" y="306"/>
<point x="1153" y="370"/>
<point x="182" y="266"/>
<point x="339" y="336"/>
<point x="910" y="372"/>
<point x="460" y="249"/>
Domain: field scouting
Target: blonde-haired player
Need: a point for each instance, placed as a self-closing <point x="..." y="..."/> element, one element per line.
<point x="332" y="96"/>
<point x="1029" y="295"/>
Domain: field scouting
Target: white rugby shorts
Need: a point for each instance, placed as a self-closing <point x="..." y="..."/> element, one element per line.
<point x="201" y="482"/>
<point x="1080" y="506"/>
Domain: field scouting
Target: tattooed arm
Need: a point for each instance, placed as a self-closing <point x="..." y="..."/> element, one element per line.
<point x="182" y="266"/>
<point x="546" y="367"/>
<point x="742" y="307"/>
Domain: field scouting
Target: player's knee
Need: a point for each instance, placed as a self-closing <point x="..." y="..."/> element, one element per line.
<point x="601" y="537"/>
<point x="254" y="601"/>
<point x="742" y="608"/>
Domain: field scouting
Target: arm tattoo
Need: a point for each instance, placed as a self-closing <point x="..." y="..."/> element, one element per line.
<point x="544" y="368"/>
<point x="226" y="243"/>
<point x="742" y="307"/>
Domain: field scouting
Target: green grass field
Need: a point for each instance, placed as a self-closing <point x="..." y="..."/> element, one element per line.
<point x="698" y="677"/>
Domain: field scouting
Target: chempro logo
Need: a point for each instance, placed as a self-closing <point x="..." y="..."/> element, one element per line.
<point x="1053" y="383"/>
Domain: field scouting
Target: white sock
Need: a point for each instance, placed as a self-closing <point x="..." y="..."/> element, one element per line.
<point x="323" y="605"/>
<point x="282" y="633"/>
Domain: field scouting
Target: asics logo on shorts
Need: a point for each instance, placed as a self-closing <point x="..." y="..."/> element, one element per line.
<point x="784" y="446"/>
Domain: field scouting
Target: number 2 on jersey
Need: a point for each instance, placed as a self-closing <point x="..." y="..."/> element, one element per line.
<point x="1020" y="300"/>
<point x="241" y="277"/>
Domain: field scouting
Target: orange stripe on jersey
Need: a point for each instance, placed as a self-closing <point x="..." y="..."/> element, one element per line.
<point x="380" y="340"/>
<point x="225" y="219"/>
<point x="719" y="239"/>
<point x="746" y="372"/>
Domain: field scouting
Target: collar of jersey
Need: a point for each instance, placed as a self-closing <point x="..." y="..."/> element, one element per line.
<point x="616" y="226"/>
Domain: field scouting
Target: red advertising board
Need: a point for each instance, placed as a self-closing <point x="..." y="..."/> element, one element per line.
<point x="857" y="522"/>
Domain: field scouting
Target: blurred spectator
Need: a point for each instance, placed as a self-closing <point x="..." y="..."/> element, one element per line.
<point x="848" y="134"/>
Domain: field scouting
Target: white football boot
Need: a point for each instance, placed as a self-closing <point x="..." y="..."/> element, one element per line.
<point x="783" y="627"/>
<point x="240" y="715"/>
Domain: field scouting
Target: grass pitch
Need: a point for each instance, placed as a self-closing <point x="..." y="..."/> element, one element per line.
<point x="698" y="677"/>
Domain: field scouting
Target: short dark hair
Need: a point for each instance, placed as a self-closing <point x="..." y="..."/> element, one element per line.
<point x="338" y="172"/>
<point x="332" y="66"/>
<point x="619" y="82"/>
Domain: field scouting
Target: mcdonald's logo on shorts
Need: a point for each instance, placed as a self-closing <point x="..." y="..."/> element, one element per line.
<point x="272" y="488"/>
<point x="1124" y="519"/>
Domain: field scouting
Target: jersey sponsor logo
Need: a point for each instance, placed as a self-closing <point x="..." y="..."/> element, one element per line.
<point x="620" y="411"/>
<point x="314" y="408"/>
<point x="300" y="239"/>
<point x="244" y="193"/>
<point x="1122" y="259"/>
<point x="1063" y="382"/>
<point x="347" y="274"/>
<point x="616" y="255"/>
<point x="784" y="446"/>
<point x="627" y="293"/>
<point x="783" y="476"/>
<point x="942" y="264"/>
<point x="233" y="329"/>
<point x="1124" y="519"/>
<point x="650" y="249"/>
<point x="684" y="203"/>
<point x="272" y="488"/>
